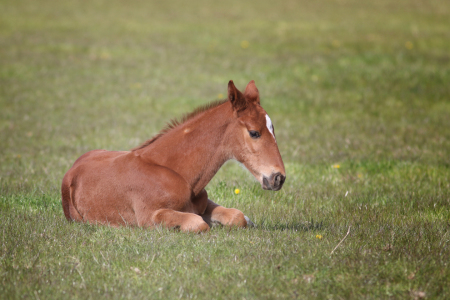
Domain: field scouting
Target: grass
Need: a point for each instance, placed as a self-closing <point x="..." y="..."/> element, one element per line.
<point x="357" y="90"/>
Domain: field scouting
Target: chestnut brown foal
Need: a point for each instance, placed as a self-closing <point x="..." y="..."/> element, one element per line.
<point x="163" y="181"/>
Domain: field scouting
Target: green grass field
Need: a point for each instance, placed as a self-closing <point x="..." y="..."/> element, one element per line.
<point x="359" y="93"/>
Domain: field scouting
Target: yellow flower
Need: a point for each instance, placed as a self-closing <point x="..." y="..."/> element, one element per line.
<point x="212" y="46"/>
<point x="360" y="175"/>
<point x="105" y="55"/>
<point x="237" y="191"/>
<point x="245" y="44"/>
<point x="319" y="236"/>
<point x="136" y="85"/>
<point x="220" y="96"/>
<point x="409" y="45"/>
<point x="336" y="43"/>
<point x="336" y="166"/>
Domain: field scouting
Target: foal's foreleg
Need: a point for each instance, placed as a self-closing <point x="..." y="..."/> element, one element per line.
<point x="176" y="219"/>
<point x="216" y="214"/>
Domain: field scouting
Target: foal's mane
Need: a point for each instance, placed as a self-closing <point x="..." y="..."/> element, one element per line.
<point x="176" y="122"/>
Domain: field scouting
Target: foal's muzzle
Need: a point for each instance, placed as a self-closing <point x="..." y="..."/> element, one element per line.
<point x="274" y="182"/>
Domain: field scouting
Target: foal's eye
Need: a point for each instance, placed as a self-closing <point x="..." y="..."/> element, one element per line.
<point x="254" y="134"/>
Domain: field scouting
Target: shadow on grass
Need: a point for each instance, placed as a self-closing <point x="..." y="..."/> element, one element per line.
<point x="264" y="224"/>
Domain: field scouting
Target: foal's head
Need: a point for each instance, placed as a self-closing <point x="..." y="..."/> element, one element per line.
<point x="254" y="142"/>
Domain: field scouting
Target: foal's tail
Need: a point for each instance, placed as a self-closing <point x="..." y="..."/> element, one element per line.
<point x="67" y="194"/>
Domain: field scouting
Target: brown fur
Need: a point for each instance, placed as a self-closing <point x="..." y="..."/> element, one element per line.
<point x="162" y="181"/>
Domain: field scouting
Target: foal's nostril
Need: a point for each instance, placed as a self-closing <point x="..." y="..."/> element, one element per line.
<point x="275" y="182"/>
<point x="283" y="178"/>
<point x="278" y="180"/>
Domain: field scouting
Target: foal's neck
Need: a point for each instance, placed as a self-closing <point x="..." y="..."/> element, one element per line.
<point x="195" y="149"/>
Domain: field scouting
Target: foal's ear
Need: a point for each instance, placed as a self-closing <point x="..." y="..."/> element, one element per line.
<point x="251" y="93"/>
<point x="236" y="98"/>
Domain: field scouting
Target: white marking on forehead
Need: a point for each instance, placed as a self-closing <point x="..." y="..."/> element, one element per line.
<point x="270" y="126"/>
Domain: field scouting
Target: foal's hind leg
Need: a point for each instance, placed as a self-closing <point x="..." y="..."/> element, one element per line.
<point x="216" y="214"/>
<point x="175" y="219"/>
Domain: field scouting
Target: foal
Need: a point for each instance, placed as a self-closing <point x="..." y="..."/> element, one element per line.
<point x="163" y="181"/>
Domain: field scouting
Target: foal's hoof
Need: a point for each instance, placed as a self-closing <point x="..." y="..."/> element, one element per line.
<point x="249" y="222"/>
<point x="196" y="226"/>
<point x="202" y="228"/>
<point x="236" y="218"/>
